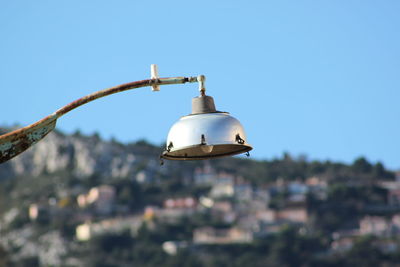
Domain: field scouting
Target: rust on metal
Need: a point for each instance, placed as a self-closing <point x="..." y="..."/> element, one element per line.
<point x="16" y="142"/>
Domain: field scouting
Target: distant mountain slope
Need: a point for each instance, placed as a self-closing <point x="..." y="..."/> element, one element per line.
<point x="85" y="156"/>
<point x="81" y="155"/>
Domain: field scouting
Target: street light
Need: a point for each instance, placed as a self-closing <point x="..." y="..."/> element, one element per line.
<point x="205" y="133"/>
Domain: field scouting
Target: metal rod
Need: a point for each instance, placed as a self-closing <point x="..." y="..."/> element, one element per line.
<point x="122" y="88"/>
<point x="17" y="141"/>
<point x="202" y="88"/>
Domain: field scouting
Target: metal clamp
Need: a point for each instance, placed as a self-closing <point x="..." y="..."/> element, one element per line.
<point x="154" y="76"/>
<point x="239" y="139"/>
<point x="203" y="140"/>
<point x="170" y="146"/>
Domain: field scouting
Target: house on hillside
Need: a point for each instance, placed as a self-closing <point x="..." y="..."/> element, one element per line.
<point x="88" y="230"/>
<point x="210" y="235"/>
<point x="101" y="199"/>
<point x="380" y="225"/>
<point x="223" y="186"/>
<point x="204" y="176"/>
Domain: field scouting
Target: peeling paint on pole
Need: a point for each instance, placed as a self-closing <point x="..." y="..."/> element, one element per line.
<point x="19" y="140"/>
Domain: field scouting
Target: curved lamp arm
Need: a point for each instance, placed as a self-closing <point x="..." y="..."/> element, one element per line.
<point x="17" y="141"/>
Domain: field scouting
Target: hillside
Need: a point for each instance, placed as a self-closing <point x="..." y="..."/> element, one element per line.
<point x="79" y="200"/>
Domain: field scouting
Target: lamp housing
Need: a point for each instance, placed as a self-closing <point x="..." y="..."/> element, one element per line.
<point x="205" y="133"/>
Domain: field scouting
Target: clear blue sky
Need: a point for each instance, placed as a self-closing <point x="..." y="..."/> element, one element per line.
<point x="320" y="78"/>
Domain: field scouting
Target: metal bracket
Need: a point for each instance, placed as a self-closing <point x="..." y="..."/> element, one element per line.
<point x="154" y="76"/>
<point x="239" y="139"/>
<point x="170" y="145"/>
<point x="203" y="140"/>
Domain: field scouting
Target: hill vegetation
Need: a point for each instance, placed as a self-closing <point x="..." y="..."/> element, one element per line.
<point x="334" y="198"/>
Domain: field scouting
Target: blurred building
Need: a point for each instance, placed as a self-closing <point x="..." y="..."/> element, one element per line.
<point x="180" y="203"/>
<point x="38" y="212"/>
<point x="224" y="186"/>
<point x="204" y="176"/>
<point x="144" y="177"/>
<point x="101" y="198"/>
<point x="380" y="225"/>
<point x="172" y="247"/>
<point x="223" y="210"/>
<point x="243" y="191"/>
<point x="88" y="230"/>
<point x="210" y="235"/>
<point x="291" y="214"/>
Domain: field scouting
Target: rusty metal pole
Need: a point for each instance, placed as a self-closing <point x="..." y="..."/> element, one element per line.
<point x="16" y="142"/>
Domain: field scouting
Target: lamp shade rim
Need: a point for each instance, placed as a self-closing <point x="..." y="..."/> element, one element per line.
<point x="195" y="152"/>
